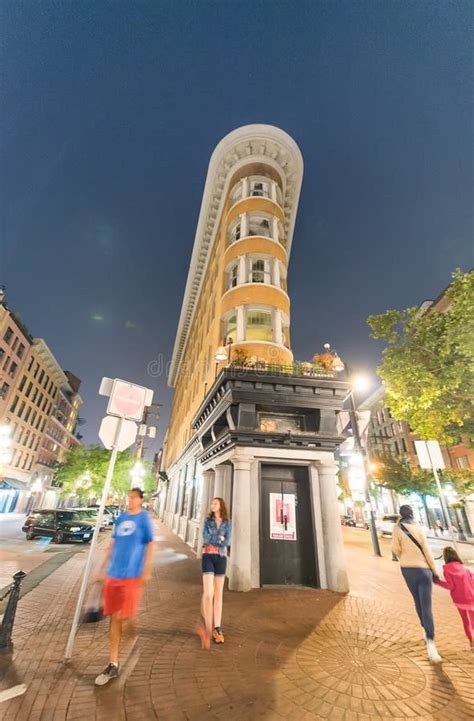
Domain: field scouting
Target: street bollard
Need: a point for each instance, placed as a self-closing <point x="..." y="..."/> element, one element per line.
<point x="6" y="643"/>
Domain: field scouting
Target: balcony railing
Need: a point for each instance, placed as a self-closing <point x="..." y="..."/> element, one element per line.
<point x="305" y="369"/>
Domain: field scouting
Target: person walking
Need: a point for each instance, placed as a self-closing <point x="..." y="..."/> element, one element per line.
<point x="215" y="542"/>
<point x="129" y="563"/>
<point x="459" y="580"/>
<point x="418" y="569"/>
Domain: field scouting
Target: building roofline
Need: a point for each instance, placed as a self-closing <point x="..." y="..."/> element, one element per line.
<point x="243" y="146"/>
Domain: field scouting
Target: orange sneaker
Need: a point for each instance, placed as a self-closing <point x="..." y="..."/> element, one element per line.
<point x="217" y="635"/>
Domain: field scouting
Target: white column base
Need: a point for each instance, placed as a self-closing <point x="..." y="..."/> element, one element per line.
<point x="335" y="560"/>
<point x="240" y="578"/>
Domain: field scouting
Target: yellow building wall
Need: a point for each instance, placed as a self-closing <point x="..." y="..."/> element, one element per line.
<point x="198" y="369"/>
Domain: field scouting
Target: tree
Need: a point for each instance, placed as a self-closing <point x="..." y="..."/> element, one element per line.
<point x="462" y="479"/>
<point x="428" y="364"/>
<point x="398" y="476"/>
<point x="84" y="470"/>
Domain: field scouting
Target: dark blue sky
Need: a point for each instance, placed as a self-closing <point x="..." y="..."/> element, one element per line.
<point x="111" y="110"/>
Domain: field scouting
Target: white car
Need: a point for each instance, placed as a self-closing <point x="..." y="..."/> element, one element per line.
<point x="386" y="523"/>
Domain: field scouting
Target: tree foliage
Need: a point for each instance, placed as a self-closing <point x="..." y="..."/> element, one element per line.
<point x="399" y="476"/>
<point x="83" y="473"/>
<point x="428" y="363"/>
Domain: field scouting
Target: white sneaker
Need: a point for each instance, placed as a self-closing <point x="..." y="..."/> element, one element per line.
<point x="433" y="654"/>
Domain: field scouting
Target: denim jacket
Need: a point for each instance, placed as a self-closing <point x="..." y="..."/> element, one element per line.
<point x="211" y="535"/>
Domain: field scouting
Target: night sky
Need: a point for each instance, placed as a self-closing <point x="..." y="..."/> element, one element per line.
<point x="111" y="110"/>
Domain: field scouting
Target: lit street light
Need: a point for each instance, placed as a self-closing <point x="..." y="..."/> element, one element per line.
<point x="358" y="383"/>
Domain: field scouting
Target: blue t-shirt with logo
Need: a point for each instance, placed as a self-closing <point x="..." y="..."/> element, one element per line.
<point x="131" y="533"/>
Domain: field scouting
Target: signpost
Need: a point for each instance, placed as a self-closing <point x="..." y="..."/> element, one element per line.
<point x="430" y="457"/>
<point x="117" y="432"/>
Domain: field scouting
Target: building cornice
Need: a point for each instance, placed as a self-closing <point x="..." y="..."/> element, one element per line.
<point x="246" y="145"/>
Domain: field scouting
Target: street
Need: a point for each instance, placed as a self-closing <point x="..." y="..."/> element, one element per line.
<point x="289" y="654"/>
<point x="38" y="558"/>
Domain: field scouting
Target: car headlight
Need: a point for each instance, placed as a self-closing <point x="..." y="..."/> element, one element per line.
<point x="74" y="529"/>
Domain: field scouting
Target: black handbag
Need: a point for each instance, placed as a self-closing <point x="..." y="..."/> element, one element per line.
<point x="418" y="545"/>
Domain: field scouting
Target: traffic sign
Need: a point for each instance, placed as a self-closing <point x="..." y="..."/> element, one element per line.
<point x="128" y="400"/>
<point x="108" y="432"/>
<point x="429" y="454"/>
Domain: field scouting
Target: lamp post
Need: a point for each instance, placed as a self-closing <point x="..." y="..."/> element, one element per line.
<point x="223" y="353"/>
<point x="339" y="366"/>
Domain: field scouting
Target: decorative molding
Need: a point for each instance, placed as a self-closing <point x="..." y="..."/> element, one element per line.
<point x="248" y="144"/>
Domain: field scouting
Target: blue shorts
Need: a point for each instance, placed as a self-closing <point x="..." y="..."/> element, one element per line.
<point x="214" y="563"/>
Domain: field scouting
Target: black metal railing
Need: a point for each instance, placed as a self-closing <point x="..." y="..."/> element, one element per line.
<point x="303" y="369"/>
<point x="6" y="628"/>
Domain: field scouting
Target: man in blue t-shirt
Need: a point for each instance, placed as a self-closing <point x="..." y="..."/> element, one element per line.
<point x="128" y="562"/>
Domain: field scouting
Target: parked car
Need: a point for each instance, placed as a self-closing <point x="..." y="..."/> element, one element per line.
<point x="92" y="513"/>
<point x="347" y="520"/>
<point x="61" y="524"/>
<point x="109" y="516"/>
<point x="386" y="523"/>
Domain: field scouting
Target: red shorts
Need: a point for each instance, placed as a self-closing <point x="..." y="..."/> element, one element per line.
<point x="122" y="596"/>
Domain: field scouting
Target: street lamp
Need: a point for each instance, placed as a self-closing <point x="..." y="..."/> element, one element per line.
<point x="358" y="382"/>
<point x="223" y="353"/>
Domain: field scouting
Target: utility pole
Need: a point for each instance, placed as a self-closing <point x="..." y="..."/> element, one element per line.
<point x="140" y="445"/>
<point x="359" y="448"/>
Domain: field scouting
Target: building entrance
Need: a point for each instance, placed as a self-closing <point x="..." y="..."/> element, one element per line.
<point x="287" y="548"/>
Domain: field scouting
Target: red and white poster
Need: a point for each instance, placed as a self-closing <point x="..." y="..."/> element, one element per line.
<point x="283" y="516"/>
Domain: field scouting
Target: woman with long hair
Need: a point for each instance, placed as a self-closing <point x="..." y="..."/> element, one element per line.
<point x="215" y="542"/>
<point x="418" y="569"/>
<point x="459" y="580"/>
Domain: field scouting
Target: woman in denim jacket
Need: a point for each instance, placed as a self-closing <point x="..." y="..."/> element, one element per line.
<point x="215" y="542"/>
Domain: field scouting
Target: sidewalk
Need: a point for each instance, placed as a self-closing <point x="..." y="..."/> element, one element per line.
<point x="289" y="654"/>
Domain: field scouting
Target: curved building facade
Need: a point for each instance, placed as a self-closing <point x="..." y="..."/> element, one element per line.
<point x="235" y="318"/>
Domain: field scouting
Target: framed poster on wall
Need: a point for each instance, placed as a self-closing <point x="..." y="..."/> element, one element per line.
<point x="283" y="516"/>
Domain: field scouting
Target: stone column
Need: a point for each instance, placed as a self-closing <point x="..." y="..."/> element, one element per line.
<point x="274" y="192"/>
<point x="240" y="323"/>
<point x="245" y="187"/>
<point x="241" y="557"/>
<point x="206" y="495"/>
<point x="275" y="228"/>
<point x="276" y="273"/>
<point x="219" y="480"/>
<point x="332" y="531"/>
<point x="242" y="277"/>
<point x="244" y="225"/>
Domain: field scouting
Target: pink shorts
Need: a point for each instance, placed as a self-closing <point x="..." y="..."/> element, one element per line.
<point x="122" y="596"/>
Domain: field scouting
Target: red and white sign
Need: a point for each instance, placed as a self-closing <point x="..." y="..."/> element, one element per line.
<point x="108" y="433"/>
<point x="283" y="516"/>
<point x="128" y="400"/>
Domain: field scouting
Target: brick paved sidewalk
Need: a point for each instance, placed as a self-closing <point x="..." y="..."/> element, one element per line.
<point x="289" y="654"/>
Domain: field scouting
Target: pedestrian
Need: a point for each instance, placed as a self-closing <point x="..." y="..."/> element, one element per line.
<point x="418" y="569"/>
<point x="215" y="542"/>
<point x="459" y="580"/>
<point x="128" y="561"/>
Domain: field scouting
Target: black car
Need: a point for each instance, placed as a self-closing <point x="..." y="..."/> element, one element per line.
<point x="60" y="524"/>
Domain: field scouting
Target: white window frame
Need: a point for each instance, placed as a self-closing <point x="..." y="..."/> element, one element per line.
<point x="267" y="269"/>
